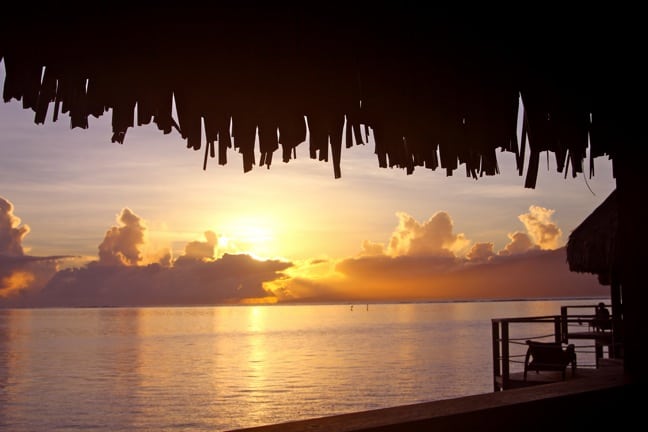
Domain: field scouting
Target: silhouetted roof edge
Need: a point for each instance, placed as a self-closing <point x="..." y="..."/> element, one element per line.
<point x="434" y="93"/>
<point x="592" y="245"/>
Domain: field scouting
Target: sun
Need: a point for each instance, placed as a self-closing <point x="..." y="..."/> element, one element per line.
<point x="253" y="235"/>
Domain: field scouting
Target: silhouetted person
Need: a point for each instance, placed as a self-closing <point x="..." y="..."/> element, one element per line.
<point x="601" y="320"/>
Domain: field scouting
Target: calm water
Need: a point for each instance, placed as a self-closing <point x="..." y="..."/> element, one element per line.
<point x="220" y="368"/>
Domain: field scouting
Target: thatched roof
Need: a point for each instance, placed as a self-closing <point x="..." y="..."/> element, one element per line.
<point x="593" y="246"/>
<point x="435" y="91"/>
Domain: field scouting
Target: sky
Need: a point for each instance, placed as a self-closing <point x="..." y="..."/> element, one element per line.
<point x="88" y="222"/>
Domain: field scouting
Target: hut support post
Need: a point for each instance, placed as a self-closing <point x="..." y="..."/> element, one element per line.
<point x="632" y="231"/>
<point x="617" y="313"/>
<point x="557" y="330"/>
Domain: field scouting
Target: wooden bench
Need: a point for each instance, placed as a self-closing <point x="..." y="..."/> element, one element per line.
<point x="549" y="356"/>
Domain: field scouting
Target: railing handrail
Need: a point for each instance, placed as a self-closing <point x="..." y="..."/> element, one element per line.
<point x="542" y="318"/>
<point x="589" y="306"/>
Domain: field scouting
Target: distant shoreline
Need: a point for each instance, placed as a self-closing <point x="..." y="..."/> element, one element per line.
<point x="317" y="303"/>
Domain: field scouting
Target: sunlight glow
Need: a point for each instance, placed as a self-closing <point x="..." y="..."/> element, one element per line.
<point x="259" y="300"/>
<point x="249" y="234"/>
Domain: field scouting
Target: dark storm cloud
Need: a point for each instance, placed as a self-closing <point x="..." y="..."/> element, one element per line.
<point x="229" y="279"/>
<point x="200" y="250"/>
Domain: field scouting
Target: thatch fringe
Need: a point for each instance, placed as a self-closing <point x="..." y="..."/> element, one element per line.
<point x="592" y="246"/>
<point x="435" y="96"/>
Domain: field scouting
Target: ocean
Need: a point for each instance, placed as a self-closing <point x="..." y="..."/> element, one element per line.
<point x="228" y="367"/>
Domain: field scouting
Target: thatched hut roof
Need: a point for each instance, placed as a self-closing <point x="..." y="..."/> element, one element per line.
<point x="593" y="245"/>
<point x="436" y="91"/>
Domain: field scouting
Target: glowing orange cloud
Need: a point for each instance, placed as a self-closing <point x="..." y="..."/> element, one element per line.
<point x="122" y="244"/>
<point x="544" y="232"/>
<point x="432" y="237"/>
<point x="423" y="261"/>
<point x="519" y="243"/>
<point x="16" y="281"/>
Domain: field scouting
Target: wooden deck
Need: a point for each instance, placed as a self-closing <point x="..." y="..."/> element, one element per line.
<point x="516" y="379"/>
<point x="574" y="404"/>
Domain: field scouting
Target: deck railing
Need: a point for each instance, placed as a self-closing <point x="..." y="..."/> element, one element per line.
<point x="580" y="325"/>
<point x="509" y="336"/>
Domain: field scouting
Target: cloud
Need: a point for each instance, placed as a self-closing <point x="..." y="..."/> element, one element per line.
<point x="394" y="268"/>
<point x="432" y="237"/>
<point x="519" y="243"/>
<point x="230" y="279"/>
<point x="533" y="274"/>
<point x="165" y="259"/>
<point x="122" y="244"/>
<point x="300" y="289"/>
<point x="370" y="248"/>
<point x="312" y="281"/>
<point x="199" y="250"/>
<point x="436" y="237"/>
<point x="423" y="261"/>
<point x="544" y="232"/>
<point x="11" y="233"/>
<point x="20" y="272"/>
<point x="481" y="252"/>
<point x="14" y="281"/>
<point x="119" y="277"/>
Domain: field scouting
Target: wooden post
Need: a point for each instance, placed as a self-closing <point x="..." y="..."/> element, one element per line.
<point x="497" y="371"/>
<point x="617" y="314"/>
<point x="632" y="231"/>
<point x="564" y="333"/>
<point x="505" y="355"/>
